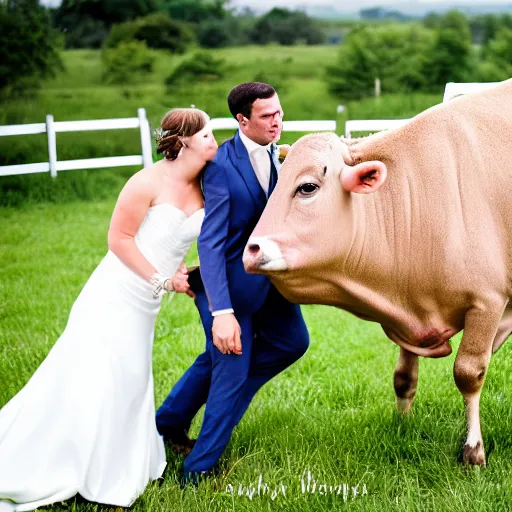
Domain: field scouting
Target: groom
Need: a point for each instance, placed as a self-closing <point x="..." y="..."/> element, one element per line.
<point x="252" y="332"/>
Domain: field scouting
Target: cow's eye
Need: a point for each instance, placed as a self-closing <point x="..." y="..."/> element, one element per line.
<point x="306" y="189"/>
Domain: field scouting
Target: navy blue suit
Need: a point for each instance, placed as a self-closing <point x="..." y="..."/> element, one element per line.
<point x="274" y="334"/>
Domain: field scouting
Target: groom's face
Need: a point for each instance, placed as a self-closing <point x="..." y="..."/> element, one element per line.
<point x="266" y="121"/>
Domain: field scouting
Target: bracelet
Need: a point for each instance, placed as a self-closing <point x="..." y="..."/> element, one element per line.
<point x="171" y="289"/>
<point x="158" y="281"/>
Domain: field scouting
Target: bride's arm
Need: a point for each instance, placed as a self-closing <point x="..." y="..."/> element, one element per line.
<point x="131" y="208"/>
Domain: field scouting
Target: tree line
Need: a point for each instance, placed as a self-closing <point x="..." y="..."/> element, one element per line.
<point x="422" y="56"/>
<point x="173" y="24"/>
<point x="415" y="56"/>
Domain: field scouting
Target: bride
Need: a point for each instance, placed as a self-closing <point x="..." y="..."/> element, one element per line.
<point x="85" y="422"/>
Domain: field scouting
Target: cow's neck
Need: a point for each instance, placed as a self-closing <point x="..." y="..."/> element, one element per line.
<point x="369" y="277"/>
<point x="373" y="282"/>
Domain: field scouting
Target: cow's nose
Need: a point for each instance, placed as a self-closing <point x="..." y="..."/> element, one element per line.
<point x="253" y="256"/>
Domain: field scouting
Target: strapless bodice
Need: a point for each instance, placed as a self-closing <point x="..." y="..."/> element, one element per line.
<point x="164" y="238"/>
<point x="166" y="234"/>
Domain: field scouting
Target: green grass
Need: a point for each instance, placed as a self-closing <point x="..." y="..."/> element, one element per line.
<point x="332" y="413"/>
<point x="79" y="93"/>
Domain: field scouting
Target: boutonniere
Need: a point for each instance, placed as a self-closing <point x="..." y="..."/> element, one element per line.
<point x="282" y="151"/>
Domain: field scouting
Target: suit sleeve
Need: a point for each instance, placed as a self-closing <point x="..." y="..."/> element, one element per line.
<point x="212" y="240"/>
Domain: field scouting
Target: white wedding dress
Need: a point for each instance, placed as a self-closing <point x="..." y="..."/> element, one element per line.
<point x="85" y="421"/>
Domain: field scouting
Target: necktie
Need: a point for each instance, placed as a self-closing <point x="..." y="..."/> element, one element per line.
<point x="273" y="171"/>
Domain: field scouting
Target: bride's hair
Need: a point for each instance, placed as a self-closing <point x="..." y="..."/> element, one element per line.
<point x="177" y="123"/>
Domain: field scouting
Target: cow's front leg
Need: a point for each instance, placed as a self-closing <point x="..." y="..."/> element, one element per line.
<point x="405" y="380"/>
<point x="480" y="327"/>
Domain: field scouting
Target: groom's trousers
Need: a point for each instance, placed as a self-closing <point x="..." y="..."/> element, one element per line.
<point x="272" y="339"/>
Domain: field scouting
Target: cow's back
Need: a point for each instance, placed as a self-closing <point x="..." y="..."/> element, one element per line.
<point x="448" y="196"/>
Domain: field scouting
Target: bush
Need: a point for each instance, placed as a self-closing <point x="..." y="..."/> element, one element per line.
<point x="128" y="63"/>
<point x="202" y="66"/>
<point x="121" y="33"/>
<point x="213" y="34"/>
<point x="157" y="30"/>
<point x="394" y="53"/>
<point x="287" y="28"/>
<point x="452" y="58"/>
<point x="491" y="72"/>
<point x="498" y="53"/>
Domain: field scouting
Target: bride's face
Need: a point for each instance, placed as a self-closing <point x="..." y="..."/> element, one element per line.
<point x="203" y="143"/>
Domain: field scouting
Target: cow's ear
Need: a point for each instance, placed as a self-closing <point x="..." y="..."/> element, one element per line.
<point x="364" y="178"/>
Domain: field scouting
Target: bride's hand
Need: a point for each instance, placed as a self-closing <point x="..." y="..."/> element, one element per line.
<point x="226" y="334"/>
<point x="179" y="282"/>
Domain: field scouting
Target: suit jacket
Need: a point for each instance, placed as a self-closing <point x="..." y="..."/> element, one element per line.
<point x="234" y="202"/>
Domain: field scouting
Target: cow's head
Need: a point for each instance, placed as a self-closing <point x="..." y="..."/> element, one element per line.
<point x="308" y="223"/>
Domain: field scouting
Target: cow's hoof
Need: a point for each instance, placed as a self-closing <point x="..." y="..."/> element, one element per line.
<point x="474" y="455"/>
<point x="404" y="405"/>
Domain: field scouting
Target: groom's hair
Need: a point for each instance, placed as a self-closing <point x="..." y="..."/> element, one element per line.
<point x="242" y="97"/>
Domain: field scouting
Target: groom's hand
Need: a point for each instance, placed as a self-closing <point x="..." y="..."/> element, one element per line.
<point x="180" y="282"/>
<point x="226" y="334"/>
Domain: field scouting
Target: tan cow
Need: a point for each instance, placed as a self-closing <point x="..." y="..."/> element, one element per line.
<point x="410" y="228"/>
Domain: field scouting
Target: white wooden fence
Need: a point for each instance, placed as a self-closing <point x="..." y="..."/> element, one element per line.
<point x="371" y="125"/>
<point x="51" y="128"/>
<point x="452" y="89"/>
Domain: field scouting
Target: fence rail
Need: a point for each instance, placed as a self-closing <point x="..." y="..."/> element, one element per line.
<point x="51" y="128"/>
<point x="452" y="90"/>
<point x="371" y="125"/>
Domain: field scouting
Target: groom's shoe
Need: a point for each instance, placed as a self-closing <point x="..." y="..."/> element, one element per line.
<point x="178" y="441"/>
<point x="193" y="478"/>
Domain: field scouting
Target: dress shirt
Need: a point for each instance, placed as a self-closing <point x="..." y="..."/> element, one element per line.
<point x="260" y="159"/>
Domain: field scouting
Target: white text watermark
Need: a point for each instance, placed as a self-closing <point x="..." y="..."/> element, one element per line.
<point x="306" y="485"/>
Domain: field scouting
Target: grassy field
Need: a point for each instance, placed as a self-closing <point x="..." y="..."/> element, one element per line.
<point x="324" y="435"/>
<point x="79" y="93"/>
<point x="331" y="414"/>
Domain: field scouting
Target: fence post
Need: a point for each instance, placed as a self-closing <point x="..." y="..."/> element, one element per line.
<point x="145" y="138"/>
<point x="52" y="145"/>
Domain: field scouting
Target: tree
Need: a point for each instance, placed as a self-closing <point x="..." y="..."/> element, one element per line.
<point x="492" y="25"/>
<point x="452" y="58"/>
<point x="432" y="20"/>
<point x="287" y="28"/>
<point x="214" y="34"/>
<point x="225" y="32"/>
<point x="396" y="54"/>
<point x="195" y="11"/>
<point x="498" y="62"/>
<point x="29" y="47"/>
<point x="157" y="30"/>
<point x="380" y="13"/>
<point x="86" y="22"/>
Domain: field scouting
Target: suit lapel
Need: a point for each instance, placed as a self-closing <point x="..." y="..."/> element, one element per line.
<point x="245" y="169"/>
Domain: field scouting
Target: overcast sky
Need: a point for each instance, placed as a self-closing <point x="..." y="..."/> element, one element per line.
<point x="342" y="5"/>
<point x="355" y="4"/>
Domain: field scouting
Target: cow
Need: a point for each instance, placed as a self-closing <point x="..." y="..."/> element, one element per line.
<point x="410" y="228"/>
